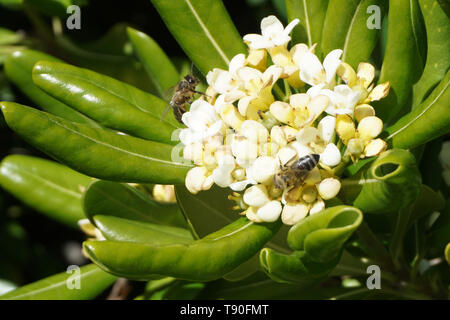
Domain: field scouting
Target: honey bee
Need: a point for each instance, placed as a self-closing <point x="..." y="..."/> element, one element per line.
<point x="184" y="95"/>
<point x="294" y="173"/>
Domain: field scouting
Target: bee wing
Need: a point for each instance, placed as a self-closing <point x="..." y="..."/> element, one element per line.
<point x="165" y="112"/>
<point x="168" y="93"/>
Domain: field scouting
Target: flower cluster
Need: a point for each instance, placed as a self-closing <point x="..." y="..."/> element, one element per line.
<point x="246" y="129"/>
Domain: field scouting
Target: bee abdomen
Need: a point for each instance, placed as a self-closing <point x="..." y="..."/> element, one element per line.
<point x="307" y="163"/>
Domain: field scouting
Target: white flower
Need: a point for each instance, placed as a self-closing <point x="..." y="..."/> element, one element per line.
<point x="222" y="174"/>
<point x="331" y="156"/>
<point x="202" y="121"/>
<point x="272" y="34"/>
<point x="198" y="179"/>
<point x="342" y="99"/>
<point x="263" y="169"/>
<point x="294" y="212"/>
<point x="269" y="212"/>
<point x="313" y="72"/>
<point x="329" y="188"/>
<point x="256" y="196"/>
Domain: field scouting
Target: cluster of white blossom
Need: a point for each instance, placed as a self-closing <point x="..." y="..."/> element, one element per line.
<point x="240" y="136"/>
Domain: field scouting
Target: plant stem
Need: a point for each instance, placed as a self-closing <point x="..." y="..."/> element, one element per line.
<point x="278" y="92"/>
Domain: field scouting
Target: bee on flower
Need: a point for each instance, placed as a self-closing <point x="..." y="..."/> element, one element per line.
<point x="281" y="153"/>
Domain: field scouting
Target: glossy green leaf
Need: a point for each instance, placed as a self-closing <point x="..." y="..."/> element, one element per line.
<point x="18" y="68"/>
<point x="124" y="201"/>
<point x="387" y="184"/>
<point x="318" y="243"/>
<point x="403" y="60"/>
<point x="112" y="103"/>
<point x="46" y="186"/>
<point x="110" y="55"/>
<point x="206" y="211"/>
<point x="203" y="260"/>
<point x="346" y="27"/>
<point x="198" y="210"/>
<point x="296" y="267"/>
<point x="438" y="39"/>
<point x="93" y="281"/>
<point x="428" y="121"/>
<point x="323" y="235"/>
<point x="95" y="152"/>
<point x="119" y="229"/>
<point x="203" y="29"/>
<point x="157" y="64"/>
<point x="311" y="14"/>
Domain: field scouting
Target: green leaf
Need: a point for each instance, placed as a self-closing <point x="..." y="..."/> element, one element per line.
<point x="297" y="267"/>
<point x="53" y="7"/>
<point x="93" y="281"/>
<point x="198" y="210"/>
<point x="209" y="211"/>
<point x="157" y="64"/>
<point x="11" y="4"/>
<point x="119" y="229"/>
<point x="387" y="184"/>
<point x="46" y="186"/>
<point x="206" y="211"/>
<point x="311" y="14"/>
<point x="428" y="121"/>
<point x="345" y="27"/>
<point x="438" y="39"/>
<point x="318" y="240"/>
<point x="8" y="37"/>
<point x="109" y="55"/>
<point x="426" y="203"/>
<point x="95" y="152"/>
<point x="18" y="68"/>
<point x="323" y="235"/>
<point x="112" y="103"/>
<point x="124" y="201"/>
<point x="203" y="29"/>
<point x="203" y="260"/>
<point x="403" y="61"/>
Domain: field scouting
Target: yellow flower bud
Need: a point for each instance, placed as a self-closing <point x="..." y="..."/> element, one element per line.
<point x="346" y="73"/>
<point x="362" y="111"/>
<point x="164" y="193"/>
<point x="375" y="147"/>
<point x="289" y="133"/>
<point x="299" y="100"/>
<point x="277" y="135"/>
<point x="309" y="194"/>
<point x="379" y="92"/>
<point x="345" y="127"/>
<point x="355" y="148"/>
<point x="369" y="128"/>
<point x="257" y="58"/>
<point x="231" y="116"/>
<point x="313" y="177"/>
<point x="283" y="112"/>
<point x="294" y="80"/>
<point x="366" y="73"/>
<point x="318" y="105"/>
